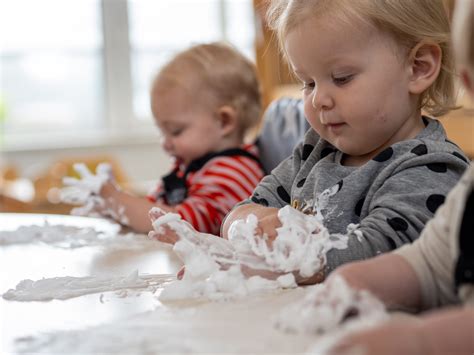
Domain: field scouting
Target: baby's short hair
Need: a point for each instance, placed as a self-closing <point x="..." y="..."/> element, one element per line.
<point x="408" y="21"/>
<point x="220" y="73"/>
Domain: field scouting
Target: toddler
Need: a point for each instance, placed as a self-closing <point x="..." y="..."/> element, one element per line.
<point x="371" y="72"/>
<point x="435" y="271"/>
<point x="204" y="101"/>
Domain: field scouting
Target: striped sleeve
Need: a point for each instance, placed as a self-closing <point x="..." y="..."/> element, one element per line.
<point x="216" y="188"/>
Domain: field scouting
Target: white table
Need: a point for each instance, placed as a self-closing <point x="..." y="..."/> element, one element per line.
<point x="137" y="324"/>
<point x="36" y="261"/>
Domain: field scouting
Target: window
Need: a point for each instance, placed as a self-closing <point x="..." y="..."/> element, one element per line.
<point x="82" y="68"/>
<point x="51" y="69"/>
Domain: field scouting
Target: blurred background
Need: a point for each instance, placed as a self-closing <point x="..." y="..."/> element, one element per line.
<point x="74" y="86"/>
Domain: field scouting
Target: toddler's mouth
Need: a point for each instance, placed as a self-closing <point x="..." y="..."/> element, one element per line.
<point x="335" y="127"/>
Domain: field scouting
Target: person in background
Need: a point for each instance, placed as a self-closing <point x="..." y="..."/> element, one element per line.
<point x="284" y="126"/>
<point x="436" y="271"/>
<point x="368" y="69"/>
<point x="204" y="101"/>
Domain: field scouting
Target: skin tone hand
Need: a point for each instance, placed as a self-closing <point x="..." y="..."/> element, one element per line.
<point x="394" y="338"/>
<point x="268" y="220"/>
<point x="381" y="276"/>
<point x="167" y="235"/>
<point x="440" y="332"/>
<point x="136" y="210"/>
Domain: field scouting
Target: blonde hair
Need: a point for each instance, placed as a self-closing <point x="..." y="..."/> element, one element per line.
<point x="409" y="22"/>
<point x="463" y="34"/>
<point x="219" y="72"/>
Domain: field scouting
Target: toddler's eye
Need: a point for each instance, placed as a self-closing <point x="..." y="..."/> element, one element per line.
<point x="341" y="80"/>
<point x="308" y="86"/>
<point x="176" y="132"/>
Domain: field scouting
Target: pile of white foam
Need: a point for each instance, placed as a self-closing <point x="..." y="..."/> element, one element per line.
<point x="329" y="306"/>
<point x="219" y="269"/>
<point x="333" y="310"/>
<point x="84" y="192"/>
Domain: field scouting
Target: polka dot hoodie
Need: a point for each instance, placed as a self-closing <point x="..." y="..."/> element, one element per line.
<point x="391" y="197"/>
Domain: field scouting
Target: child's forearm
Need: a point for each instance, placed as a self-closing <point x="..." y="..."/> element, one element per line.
<point x="449" y="331"/>
<point x="389" y="277"/>
<point x="135" y="209"/>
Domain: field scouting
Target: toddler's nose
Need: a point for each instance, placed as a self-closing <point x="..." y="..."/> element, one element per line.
<point x="321" y="100"/>
<point x="166" y="143"/>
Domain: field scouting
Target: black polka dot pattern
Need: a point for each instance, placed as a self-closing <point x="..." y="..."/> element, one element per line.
<point x="260" y="201"/>
<point x="384" y="155"/>
<point x="434" y="201"/>
<point x="307" y="149"/>
<point x="325" y="152"/>
<point x="437" y="167"/>
<point x="460" y="156"/>
<point x="301" y="183"/>
<point x="283" y="194"/>
<point x="420" y="149"/>
<point x="392" y="243"/>
<point x="398" y="224"/>
<point x="358" y="207"/>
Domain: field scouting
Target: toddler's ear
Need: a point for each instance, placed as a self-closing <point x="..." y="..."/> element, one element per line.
<point x="425" y="64"/>
<point x="228" y="118"/>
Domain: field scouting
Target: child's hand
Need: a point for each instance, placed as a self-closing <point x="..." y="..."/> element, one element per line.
<point x="392" y="338"/>
<point x="85" y="190"/>
<point x="79" y="191"/>
<point x="268" y="224"/>
<point x="164" y="233"/>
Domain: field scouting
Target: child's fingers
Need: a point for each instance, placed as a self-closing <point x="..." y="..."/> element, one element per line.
<point x="82" y="170"/>
<point x="166" y="235"/>
<point x="180" y="273"/>
<point x="104" y="169"/>
<point x="155" y="213"/>
<point x="70" y="181"/>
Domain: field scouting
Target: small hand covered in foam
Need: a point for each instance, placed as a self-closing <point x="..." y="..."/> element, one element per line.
<point x="171" y="228"/>
<point x="213" y="269"/>
<point x="329" y="306"/>
<point x="301" y="243"/>
<point x="161" y="231"/>
<point x="85" y="190"/>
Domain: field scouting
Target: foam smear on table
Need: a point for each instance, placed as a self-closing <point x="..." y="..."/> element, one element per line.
<point x="222" y="269"/>
<point x="71" y="237"/>
<point x="69" y="287"/>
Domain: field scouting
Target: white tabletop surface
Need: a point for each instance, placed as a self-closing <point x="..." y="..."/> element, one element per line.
<point x="136" y="324"/>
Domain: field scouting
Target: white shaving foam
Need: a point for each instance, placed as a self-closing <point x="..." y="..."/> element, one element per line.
<point x="85" y="193"/>
<point x="68" y="287"/>
<point x="216" y="268"/>
<point x="70" y="237"/>
<point x="330" y="306"/>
